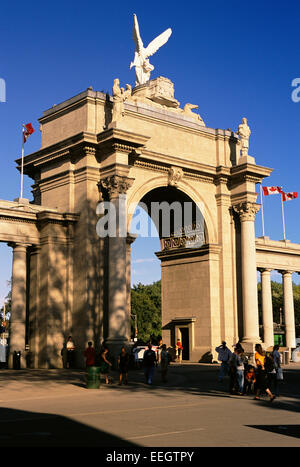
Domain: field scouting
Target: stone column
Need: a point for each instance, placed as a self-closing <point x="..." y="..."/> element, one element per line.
<point x="129" y="240"/>
<point x="116" y="187"/>
<point x="288" y="306"/>
<point x="18" y="303"/>
<point x="267" y="307"/>
<point x="247" y="211"/>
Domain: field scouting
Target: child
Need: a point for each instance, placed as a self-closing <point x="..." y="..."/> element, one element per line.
<point x="250" y="380"/>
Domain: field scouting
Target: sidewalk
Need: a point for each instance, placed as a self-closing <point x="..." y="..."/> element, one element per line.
<point x="54" y="408"/>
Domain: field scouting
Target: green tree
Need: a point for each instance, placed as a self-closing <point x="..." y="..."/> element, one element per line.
<point x="277" y="300"/>
<point x="146" y="305"/>
<point x="7" y="302"/>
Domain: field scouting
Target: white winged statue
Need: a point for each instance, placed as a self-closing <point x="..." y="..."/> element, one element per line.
<point x="141" y="62"/>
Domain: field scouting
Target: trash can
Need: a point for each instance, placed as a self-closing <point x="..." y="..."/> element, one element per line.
<point x="93" y="377"/>
<point x="286" y="357"/>
<point x="17" y="360"/>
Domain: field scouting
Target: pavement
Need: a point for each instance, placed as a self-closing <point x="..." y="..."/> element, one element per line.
<point x="50" y="408"/>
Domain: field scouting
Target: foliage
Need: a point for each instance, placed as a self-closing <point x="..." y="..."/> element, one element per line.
<point x="146" y="305"/>
<point x="277" y="300"/>
<point x="7" y="302"/>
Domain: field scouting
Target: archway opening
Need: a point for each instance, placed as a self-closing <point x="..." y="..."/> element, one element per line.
<point x="166" y="221"/>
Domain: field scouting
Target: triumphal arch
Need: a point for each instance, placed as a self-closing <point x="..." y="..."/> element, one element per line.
<point x="143" y="148"/>
<point x="102" y="156"/>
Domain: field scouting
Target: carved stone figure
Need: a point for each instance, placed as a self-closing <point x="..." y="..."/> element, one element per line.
<point x="244" y="133"/>
<point x="175" y="175"/>
<point x="188" y="110"/>
<point x="141" y="62"/>
<point x="119" y="97"/>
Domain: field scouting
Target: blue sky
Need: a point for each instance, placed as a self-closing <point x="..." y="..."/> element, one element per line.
<point x="233" y="59"/>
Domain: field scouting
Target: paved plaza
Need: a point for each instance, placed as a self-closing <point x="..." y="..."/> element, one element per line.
<point x="54" y="408"/>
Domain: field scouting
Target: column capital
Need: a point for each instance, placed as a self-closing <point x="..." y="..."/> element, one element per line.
<point x="246" y="210"/>
<point x="265" y="270"/>
<point x="285" y="272"/>
<point x="115" y="185"/>
<point x="19" y="246"/>
<point x="131" y="238"/>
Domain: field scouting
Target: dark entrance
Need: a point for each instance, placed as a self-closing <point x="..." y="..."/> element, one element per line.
<point x="185" y="343"/>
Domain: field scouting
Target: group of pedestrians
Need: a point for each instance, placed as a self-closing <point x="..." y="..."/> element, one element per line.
<point x="151" y="360"/>
<point x="248" y="379"/>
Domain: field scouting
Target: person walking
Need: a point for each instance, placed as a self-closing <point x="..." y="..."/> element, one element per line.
<point x="64" y="355"/>
<point x="224" y="355"/>
<point x="271" y="373"/>
<point x="123" y="364"/>
<point x="179" y="350"/>
<point x="149" y="361"/>
<point x="262" y="383"/>
<point x="70" y="352"/>
<point x="105" y="364"/>
<point x="164" y="363"/>
<point x="158" y="350"/>
<point x="90" y="355"/>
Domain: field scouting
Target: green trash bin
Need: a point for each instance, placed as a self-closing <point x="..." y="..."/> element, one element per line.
<point x="93" y="377"/>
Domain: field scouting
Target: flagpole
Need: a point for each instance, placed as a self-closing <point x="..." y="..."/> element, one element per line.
<point x="22" y="164"/>
<point x="283" y="221"/>
<point x="262" y="210"/>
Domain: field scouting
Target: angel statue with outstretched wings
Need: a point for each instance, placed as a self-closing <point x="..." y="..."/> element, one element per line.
<point x="141" y="62"/>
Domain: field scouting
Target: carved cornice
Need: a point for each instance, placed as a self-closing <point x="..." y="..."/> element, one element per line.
<point x="61" y="150"/>
<point x="246" y="210"/>
<point x="150" y="166"/>
<point x="117" y="139"/>
<point x="249" y="173"/>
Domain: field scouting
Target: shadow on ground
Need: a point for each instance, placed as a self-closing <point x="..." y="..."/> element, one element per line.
<point x="20" y="428"/>
<point x="196" y="379"/>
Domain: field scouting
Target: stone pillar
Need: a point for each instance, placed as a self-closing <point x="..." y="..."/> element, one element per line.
<point x="116" y="187"/>
<point x="267" y="307"/>
<point x="247" y="211"/>
<point x="288" y="306"/>
<point x="129" y="240"/>
<point x="18" y="303"/>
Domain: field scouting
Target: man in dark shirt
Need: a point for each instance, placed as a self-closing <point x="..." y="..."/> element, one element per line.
<point x="149" y="361"/>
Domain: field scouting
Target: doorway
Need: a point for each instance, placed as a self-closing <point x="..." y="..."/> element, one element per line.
<point x="185" y="341"/>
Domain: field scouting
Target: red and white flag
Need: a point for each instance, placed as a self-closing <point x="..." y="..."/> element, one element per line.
<point x="272" y="190"/>
<point x="27" y="131"/>
<point x="289" y="196"/>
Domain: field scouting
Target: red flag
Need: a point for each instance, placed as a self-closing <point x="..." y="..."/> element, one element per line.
<point x="27" y="131"/>
<point x="272" y="190"/>
<point x="289" y="196"/>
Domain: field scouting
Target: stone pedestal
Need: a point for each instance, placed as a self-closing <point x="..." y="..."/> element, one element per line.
<point x="159" y="90"/>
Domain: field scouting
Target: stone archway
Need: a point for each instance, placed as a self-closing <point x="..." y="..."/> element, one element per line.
<point x="78" y="280"/>
<point x="186" y="269"/>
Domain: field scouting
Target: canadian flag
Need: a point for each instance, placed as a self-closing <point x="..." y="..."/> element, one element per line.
<point x="27" y="131"/>
<point x="289" y="196"/>
<point x="272" y="190"/>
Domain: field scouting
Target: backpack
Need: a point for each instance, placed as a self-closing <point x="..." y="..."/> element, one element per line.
<point x="149" y="358"/>
<point x="269" y="364"/>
